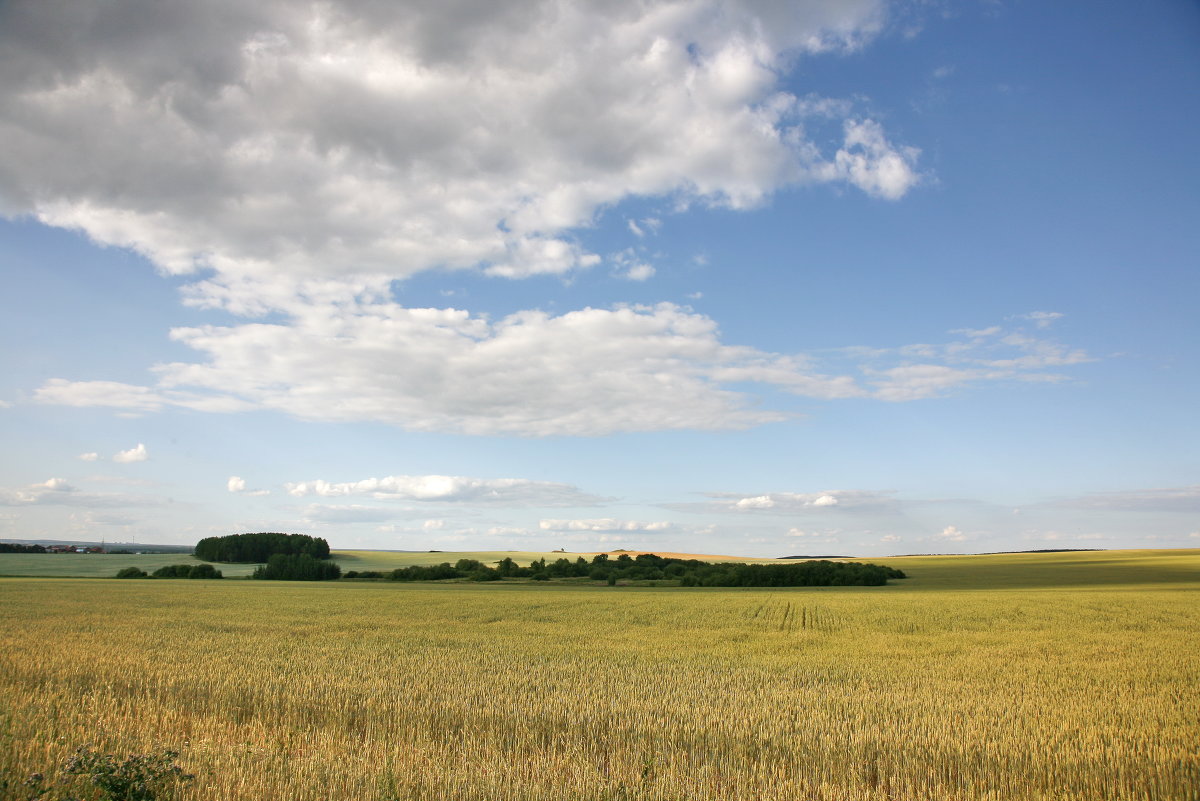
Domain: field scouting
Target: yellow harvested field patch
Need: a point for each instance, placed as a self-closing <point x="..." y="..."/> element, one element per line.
<point x="704" y="557"/>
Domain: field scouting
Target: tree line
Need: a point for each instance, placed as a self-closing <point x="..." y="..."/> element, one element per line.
<point x="16" y="547"/>
<point x="296" y="567"/>
<point x="259" y="547"/>
<point x="688" y="572"/>
<point x="173" y="571"/>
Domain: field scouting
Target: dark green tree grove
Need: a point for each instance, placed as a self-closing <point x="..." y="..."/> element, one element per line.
<point x="296" y="567"/>
<point x="259" y="547"/>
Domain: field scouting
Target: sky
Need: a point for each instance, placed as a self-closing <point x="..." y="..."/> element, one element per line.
<point x="745" y="277"/>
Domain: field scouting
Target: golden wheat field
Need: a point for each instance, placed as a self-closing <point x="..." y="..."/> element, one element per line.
<point x="953" y="684"/>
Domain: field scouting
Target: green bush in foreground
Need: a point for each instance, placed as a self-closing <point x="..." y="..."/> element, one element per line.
<point x="132" y="572"/>
<point x="139" y="777"/>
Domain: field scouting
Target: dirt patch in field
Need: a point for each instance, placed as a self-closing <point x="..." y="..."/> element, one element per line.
<point x="703" y="557"/>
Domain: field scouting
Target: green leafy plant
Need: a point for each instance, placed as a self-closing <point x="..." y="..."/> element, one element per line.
<point x="139" y="777"/>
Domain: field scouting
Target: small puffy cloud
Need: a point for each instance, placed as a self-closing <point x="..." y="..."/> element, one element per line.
<point x="890" y="538"/>
<point x="237" y="485"/>
<point x="952" y="534"/>
<point x="870" y="162"/>
<point x="433" y="525"/>
<point x="791" y="502"/>
<point x="813" y="536"/>
<point x="55" y="485"/>
<point x="757" y="502"/>
<point x="138" y="454"/>
<point x="89" y="457"/>
<point x="639" y="272"/>
<point x="451" y="489"/>
<point x="630" y="266"/>
<point x="604" y="524"/>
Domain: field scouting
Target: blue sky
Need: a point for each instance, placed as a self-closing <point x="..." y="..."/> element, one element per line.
<point x="725" y="277"/>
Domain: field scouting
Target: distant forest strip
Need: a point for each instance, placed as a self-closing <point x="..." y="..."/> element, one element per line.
<point x="259" y="547"/>
<point x="13" y="547"/>
<point x="648" y="566"/>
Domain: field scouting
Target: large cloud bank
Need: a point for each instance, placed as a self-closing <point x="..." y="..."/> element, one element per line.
<point x="298" y="144"/>
<point x="294" y="159"/>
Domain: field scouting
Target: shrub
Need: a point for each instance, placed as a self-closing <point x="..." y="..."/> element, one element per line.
<point x="204" y="571"/>
<point x="139" y="777"/>
<point x="132" y="572"/>
<point x="188" y="571"/>
<point x="486" y="574"/>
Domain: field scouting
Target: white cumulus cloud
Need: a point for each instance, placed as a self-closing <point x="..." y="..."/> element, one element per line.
<point x="237" y="485"/>
<point x="589" y="372"/>
<point x="790" y="502"/>
<point x="584" y="373"/>
<point x="308" y="145"/>
<point x="952" y="534"/>
<point x="136" y="454"/>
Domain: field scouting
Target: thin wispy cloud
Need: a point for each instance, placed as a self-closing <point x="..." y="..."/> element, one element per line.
<point x="450" y="489"/>
<point x="585" y="373"/>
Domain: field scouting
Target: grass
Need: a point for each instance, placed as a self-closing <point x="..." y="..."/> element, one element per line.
<point x="99" y="565"/>
<point x="106" y="565"/>
<point x="995" y="678"/>
<point x="1100" y="569"/>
